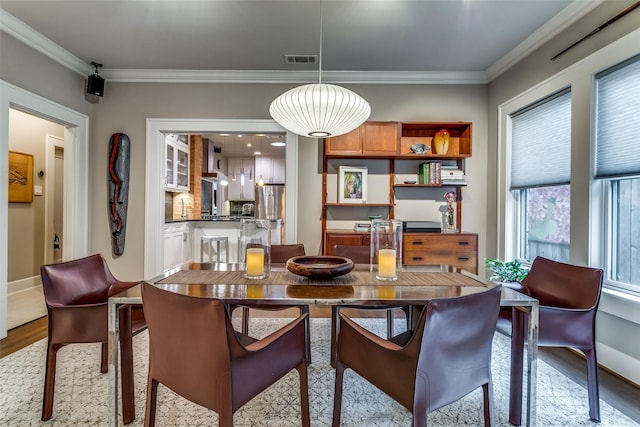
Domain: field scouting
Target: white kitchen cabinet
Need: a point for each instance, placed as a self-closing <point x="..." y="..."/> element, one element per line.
<point x="271" y="169"/>
<point x="176" y="176"/>
<point x="178" y="245"/>
<point x="242" y="180"/>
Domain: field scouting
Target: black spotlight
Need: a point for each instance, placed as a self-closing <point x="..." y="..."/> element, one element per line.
<point x="95" y="83"/>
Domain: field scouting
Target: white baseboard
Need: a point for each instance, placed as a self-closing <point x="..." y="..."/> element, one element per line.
<point x="618" y="362"/>
<point x="23" y="284"/>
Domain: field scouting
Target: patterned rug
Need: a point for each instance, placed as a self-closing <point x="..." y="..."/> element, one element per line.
<point x="81" y="392"/>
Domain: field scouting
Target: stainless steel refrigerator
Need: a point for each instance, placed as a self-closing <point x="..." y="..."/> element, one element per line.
<point x="269" y="201"/>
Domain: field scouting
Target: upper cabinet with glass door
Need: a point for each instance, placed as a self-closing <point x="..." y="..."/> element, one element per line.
<point x="176" y="176"/>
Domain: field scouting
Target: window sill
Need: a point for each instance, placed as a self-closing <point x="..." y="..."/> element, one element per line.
<point x="620" y="304"/>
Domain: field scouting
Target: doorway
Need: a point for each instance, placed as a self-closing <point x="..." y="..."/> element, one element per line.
<point x="75" y="199"/>
<point x="154" y="167"/>
<point x="28" y="241"/>
<point x="54" y="209"/>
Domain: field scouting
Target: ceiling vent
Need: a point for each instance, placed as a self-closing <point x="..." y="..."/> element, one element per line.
<point x="300" y="59"/>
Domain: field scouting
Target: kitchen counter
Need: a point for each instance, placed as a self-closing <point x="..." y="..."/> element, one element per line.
<point x="214" y="218"/>
<point x="189" y="232"/>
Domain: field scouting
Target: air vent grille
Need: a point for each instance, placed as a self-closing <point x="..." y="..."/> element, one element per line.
<point x="301" y="59"/>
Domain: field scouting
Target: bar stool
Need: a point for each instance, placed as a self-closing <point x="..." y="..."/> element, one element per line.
<point x="208" y="241"/>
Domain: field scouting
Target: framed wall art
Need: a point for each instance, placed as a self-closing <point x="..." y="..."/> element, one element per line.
<point x="20" y="177"/>
<point x="352" y="184"/>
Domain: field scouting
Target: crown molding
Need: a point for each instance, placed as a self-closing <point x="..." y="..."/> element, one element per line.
<point x="567" y="16"/>
<point x="27" y="35"/>
<point x="268" y="76"/>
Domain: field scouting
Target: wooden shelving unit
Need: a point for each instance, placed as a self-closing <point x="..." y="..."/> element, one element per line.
<point x="392" y="141"/>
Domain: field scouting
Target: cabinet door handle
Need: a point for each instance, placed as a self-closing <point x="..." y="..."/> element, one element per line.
<point x="463" y="243"/>
<point x="417" y="258"/>
<point x="417" y="243"/>
<point x="463" y="258"/>
<point x="184" y="237"/>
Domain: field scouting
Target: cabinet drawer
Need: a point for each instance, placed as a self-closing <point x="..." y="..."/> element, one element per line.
<point x="466" y="260"/>
<point x="439" y="242"/>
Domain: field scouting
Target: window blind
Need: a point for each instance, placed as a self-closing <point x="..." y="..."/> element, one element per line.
<point x="618" y="120"/>
<point x="541" y="143"/>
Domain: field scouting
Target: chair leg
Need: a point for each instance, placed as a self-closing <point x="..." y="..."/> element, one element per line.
<point x="225" y="418"/>
<point x="389" y="323"/>
<point x="104" y="358"/>
<point x="487" y="391"/>
<point x="307" y="332"/>
<point x="245" y="323"/>
<point x="126" y="366"/>
<point x="49" y="381"/>
<point x="150" y="408"/>
<point x="304" y="394"/>
<point x="337" y="395"/>
<point x="334" y="334"/>
<point x="592" y="383"/>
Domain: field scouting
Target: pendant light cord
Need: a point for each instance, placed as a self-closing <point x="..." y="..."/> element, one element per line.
<point x="320" y="56"/>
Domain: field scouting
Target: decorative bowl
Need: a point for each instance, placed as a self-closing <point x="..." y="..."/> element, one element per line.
<point x="372" y="217"/>
<point x="420" y="148"/>
<point x="319" y="266"/>
<point x="409" y="182"/>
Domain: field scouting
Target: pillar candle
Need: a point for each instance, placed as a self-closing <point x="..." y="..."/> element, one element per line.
<point x="255" y="262"/>
<point x="387" y="263"/>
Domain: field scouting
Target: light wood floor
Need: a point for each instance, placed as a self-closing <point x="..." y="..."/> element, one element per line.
<point x="614" y="390"/>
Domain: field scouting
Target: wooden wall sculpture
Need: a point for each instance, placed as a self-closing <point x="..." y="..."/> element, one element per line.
<point x="119" y="147"/>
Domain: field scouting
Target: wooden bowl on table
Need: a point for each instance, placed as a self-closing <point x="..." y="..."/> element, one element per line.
<point x="319" y="266"/>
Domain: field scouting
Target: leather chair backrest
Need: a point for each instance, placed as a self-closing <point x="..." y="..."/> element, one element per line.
<point x="191" y="343"/>
<point x="557" y="284"/>
<point x="281" y="253"/>
<point x="358" y="254"/>
<point x="81" y="281"/>
<point x="455" y="354"/>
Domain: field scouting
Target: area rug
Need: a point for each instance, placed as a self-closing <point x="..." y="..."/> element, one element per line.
<point x="81" y="392"/>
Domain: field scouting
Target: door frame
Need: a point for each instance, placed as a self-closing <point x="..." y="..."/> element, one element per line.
<point x="76" y="178"/>
<point x="154" y="177"/>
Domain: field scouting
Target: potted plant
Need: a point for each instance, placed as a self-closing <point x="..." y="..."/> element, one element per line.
<point x="508" y="271"/>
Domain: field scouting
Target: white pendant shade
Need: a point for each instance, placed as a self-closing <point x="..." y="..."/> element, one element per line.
<point x="320" y="110"/>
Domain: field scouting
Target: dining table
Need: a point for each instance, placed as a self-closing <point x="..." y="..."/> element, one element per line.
<point x="359" y="287"/>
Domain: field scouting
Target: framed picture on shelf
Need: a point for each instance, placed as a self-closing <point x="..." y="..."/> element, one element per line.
<point x="20" y="177"/>
<point x="352" y="184"/>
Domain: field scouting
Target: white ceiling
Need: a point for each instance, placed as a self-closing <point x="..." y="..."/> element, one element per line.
<point x="363" y="40"/>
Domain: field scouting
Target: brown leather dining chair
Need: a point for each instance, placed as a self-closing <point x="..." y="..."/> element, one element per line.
<point x="359" y="255"/>
<point x="194" y="351"/>
<point x="279" y="255"/>
<point x="569" y="296"/>
<point x="445" y="358"/>
<point x="76" y="293"/>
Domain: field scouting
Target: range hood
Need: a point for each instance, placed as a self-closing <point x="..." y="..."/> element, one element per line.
<point x="210" y="159"/>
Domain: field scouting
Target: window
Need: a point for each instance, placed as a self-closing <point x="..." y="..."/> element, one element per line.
<point x="618" y="165"/>
<point x="540" y="174"/>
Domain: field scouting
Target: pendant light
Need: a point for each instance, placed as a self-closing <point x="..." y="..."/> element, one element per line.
<point x="320" y="110"/>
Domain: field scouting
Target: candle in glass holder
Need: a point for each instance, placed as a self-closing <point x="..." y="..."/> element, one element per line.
<point x="255" y="262"/>
<point x="387" y="264"/>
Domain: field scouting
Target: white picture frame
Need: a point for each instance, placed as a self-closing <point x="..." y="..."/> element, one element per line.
<point x="352" y="185"/>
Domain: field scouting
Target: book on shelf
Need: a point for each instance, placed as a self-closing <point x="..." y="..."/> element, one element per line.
<point x="449" y="181"/>
<point x="430" y="173"/>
